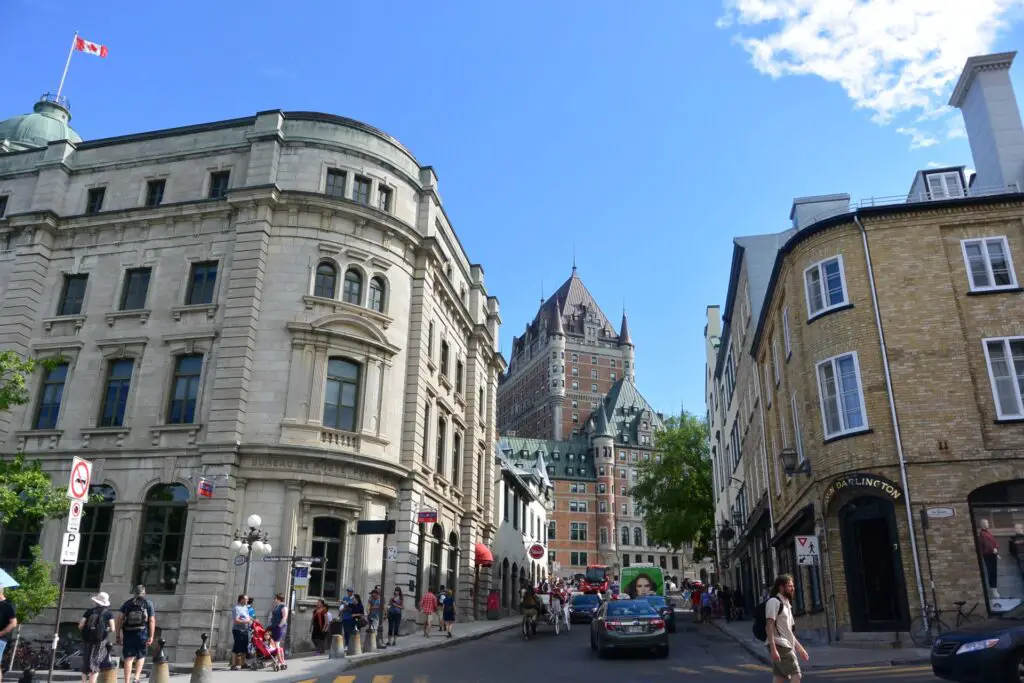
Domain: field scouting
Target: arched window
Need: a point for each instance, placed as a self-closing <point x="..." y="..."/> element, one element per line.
<point x="328" y="543"/>
<point x="326" y="280"/>
<point x="377" y="294"/>
<point x="452" y="573"/>
<point x="164" y="518"/>
<point x="353" y="287"/>
<point x="638" y="536"/>
<point x="434" y="572"/>
<point x="341" y="397"/>
<point x="442" y="425"/>
<point x="97" y="520"/>
<point x="513" y="585"/>
<point x="625" y="535"/>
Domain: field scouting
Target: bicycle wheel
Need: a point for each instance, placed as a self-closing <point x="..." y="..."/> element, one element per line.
<point x="557" y="624"/>
<point x="921" y="635"/>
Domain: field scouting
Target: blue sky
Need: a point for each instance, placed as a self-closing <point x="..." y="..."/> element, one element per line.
<point x="645" y="138"/>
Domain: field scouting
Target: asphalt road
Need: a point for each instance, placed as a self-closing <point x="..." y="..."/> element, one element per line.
<point x="701" y="653"/>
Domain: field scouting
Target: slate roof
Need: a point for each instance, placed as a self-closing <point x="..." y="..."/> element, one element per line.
<point x="554" y="454"/>
<point x="627" y="410"/>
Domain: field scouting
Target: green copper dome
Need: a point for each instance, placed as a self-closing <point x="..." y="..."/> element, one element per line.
<point x="47" y="123"/>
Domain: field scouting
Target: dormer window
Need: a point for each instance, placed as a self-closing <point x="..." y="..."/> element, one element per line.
<point x="945" y="185"/>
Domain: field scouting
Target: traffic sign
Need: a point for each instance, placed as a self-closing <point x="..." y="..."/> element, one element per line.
<point x="293" y="558"/>
<point x="78" y="483"/>
<point x="392" y="553"/>
<point x="69" y="548"/>
<point x="536" y="551"/>
<point x="806" y="550"/>
<point x="75" y="516"/>
<point x="301" y="577"/>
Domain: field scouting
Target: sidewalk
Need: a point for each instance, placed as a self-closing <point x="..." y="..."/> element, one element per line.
<point x="824" y="656"/>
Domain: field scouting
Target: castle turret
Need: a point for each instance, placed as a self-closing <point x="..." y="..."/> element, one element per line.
<point x="627" y="350"/>
<point x="556" y="374"/>
<point x="603" y="443"/>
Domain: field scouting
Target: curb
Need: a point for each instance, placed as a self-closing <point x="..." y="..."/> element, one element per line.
<point x="758" y="651"/>
<point x="378" y="656"/>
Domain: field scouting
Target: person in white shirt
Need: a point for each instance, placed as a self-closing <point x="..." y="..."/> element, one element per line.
<point x="782" y="643"/>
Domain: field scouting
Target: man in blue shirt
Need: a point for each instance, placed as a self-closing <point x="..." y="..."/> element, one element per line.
<point x="136" y="626"/>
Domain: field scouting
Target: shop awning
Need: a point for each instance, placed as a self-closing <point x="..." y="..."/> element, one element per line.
<point x="484" y="558"/>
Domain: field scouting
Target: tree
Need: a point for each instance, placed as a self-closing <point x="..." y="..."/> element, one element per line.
<point x="676" y="494"/>
<point x="14" y="373"/>
<point x="27" y="495"/>
<point x="36" y="591"/>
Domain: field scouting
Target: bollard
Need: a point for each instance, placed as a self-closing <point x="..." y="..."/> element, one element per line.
<point x="337" y="647"/>
<point x="355" y="644"/>
<point x="161" y="672"/>
<point x="108" y="672"/>
<point x="371" y="640"/>
<point x="203" y="665"/>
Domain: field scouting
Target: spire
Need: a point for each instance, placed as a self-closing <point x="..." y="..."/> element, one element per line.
<point x="624" y="339"/>
<point x="556" y="328"/>
<point x="601" y="423"/>
<point x="574" y="259"/>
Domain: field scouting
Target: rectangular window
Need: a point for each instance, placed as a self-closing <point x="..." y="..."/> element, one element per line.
<point x="3" y="205"/>
<point x="201" y="283"/>
<point x="50" y="397"/>
<point x="825" y="286"/>
<point x="94" y="199"/>
<point x="459" y="371"/>
<point x="944" y="185"/>
<point x="842" y="395"/>
<point x="577" y="531"/>
<point x="593" y="374"/>
<point x="583" y="488"/>
<point x="444" y="358"/>
<point x="335" y="186"/>
<point x="602" y="507"/>
<point x="785" y="331"/>
<point x="989" y="265"/>
<point x="602" y="536"/>
<point x="136" y="287"/>
<point x="577" y="559"/>
<point x="155" y="192"/>
<point x="575" y="372"/>
<point x="768" y="389"/>
<point x="219" y="184"/>
<point x="593" y="360"/>
<point x="115" y="398"/>
<point x="575" y="418"/>
<point x="439" y="458"/>
<point x="383" y="198"/>
<point x="456" y="459"/>
<point x="1005" y="358"/>
<point x="582" y="506"/>
<point x="552" y="530"/>
<point x="575" y="358"/>
<point x="341" y="390"/>
<point x="593" y="388"/>
<point x="361" y="190"/>
<point x="775" y="361"/>
<point x="573" y="506"/>
<point x="185" y="389"/>
<point x="73" y="295"/>
<point x="575" y="386"/>
<point x="798" y="438"/>
<point x="675" y="562"/>
<point x="625" y="508"/>
<point x="552" y="557"/>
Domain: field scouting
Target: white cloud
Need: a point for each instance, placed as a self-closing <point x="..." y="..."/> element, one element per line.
<point x="890" y="56"/>
<point x="918" y="138"/>
<point x="955" y="128"/>
<point x="935" y="164"/>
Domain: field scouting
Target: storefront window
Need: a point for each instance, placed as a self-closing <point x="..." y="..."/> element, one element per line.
<point x="997" y="515"/>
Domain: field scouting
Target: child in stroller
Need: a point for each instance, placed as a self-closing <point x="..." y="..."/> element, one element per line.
<point x="263" y="650"/>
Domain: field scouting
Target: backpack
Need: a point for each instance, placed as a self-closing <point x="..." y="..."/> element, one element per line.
<point x="95" y="630"/>
<point x="760" y="627"/>
<point x="137" y="616"/>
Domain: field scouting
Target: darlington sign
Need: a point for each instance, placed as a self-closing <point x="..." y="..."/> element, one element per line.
<point x="864" y="481"/>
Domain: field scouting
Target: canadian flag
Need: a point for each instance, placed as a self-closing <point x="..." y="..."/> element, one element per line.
<point x="83" y="45"/>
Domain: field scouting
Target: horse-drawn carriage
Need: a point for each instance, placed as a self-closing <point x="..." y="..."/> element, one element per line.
<point x="554" y="610"/>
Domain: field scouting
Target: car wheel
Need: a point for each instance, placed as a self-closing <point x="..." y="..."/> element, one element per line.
<point x="1017" y="667"/>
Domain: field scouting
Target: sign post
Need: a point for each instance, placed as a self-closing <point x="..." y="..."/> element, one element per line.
<point x="78" y="491"/>
<point x="382" y="527"/>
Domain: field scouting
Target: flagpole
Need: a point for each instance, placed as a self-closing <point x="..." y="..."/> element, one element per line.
<point x="74" y="41"/>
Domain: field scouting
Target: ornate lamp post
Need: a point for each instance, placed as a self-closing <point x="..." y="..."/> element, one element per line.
<point x="247" y="543"/>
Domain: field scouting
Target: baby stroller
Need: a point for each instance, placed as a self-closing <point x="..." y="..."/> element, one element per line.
<point x="262" y="649"/>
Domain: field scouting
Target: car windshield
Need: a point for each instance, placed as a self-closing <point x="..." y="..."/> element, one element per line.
<point x="631" y="608"/>
<point x="596" y="574"/>
<point x="585" y="600"/>
<point x="656" y="600"/>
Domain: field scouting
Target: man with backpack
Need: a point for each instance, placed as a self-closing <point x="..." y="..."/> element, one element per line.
<point x="136" y="628"/>
<point x="95" y="624"/>
<point x="773" y="624"/>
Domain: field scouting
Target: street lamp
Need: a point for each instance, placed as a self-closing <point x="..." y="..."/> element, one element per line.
<point x="249" y="542"/>
<point x="790" y="465"/>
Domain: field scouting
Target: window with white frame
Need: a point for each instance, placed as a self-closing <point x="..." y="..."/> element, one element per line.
<point x="775" y="464"/>
<point x="768" y="390"/>
<point x="1005" y="358"/>
<point x="989" y="265"/>
<point x="775" y="360"/>
<point x="825" y="285"/>
<point x="785" y="331"/>
<point x="944" y="185"/>
<point x="842" y="395"/>
<point x="798" y="439"/>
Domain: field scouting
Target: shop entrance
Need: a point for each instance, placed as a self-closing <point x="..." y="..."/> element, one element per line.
<point x="874" y="570"/>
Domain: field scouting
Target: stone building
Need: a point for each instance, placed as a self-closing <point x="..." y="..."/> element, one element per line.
<point x="890" y="348"/>
<point x="275" y="303"/>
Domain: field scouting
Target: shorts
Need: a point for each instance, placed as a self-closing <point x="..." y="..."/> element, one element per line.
<point x="787" y="665"/>
<point x="134" y="644"/>
<point x="277" y="633"/>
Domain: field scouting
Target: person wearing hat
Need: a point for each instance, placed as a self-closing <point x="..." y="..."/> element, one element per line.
<point x="95" y="624"/>
<point x="136" y="625"/>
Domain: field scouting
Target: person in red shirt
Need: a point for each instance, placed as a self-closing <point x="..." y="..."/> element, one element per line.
<point x="428" y="606"/>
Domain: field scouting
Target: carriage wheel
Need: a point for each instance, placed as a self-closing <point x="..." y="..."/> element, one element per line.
<point x="557" y="627"/>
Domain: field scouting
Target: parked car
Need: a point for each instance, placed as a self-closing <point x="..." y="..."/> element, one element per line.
<point x="583" y="607"/>
<point x="666" y="608"/>
<point x="628" y="625"/>
<point x="991" y="651"/>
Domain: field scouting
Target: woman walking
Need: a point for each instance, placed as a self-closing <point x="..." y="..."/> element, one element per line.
<point x="320" y="626"/>
<point x="395" y="616"/>
<point x="279" y="627"/>
<point x="448" y="612"/>
<point x="241" y="622"/>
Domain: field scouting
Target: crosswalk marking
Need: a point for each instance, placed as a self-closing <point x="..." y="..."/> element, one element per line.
<point x="382" y="679"/>
<point x="345" y="679"/>
<point x="755" y="667"/>
<point x="421" y="679"/>
<point x="727" y="670"/>
<point x="871" y="672"/>
<point x="308" y="680"/>
<point x="684" y="670"/>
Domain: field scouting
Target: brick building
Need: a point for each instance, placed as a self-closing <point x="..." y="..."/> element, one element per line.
<point x="889" y="420"/>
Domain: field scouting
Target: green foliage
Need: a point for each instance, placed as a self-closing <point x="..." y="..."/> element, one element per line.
<point x="676" y="494"/>
<point x="14" y="373"/>
<point x="27" y="495"/>
<point x="36" y="590"/>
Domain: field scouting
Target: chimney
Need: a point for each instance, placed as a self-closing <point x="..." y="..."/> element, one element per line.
<point x="808" y="210"/>
<point x="985" y="97"/>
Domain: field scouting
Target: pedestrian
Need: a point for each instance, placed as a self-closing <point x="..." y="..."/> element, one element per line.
<point x="448" y="612"/>
<point x="782" y="642"/>
<point x="348" y="620"/>
<point x="395" y="616"/>
<point x="705" y="607"/>
<point x="136" y="625"/>
<point x="278" y="628"/>
<point x="441" y="592"/>
<point x="320" y="624"/>
<point x="375" y="615"/>
<point x="8" y="621"/>
<point x="241" y="622"/>
<point x="428" y="606"/>
<point x="358" y="611"/>
<point x="95" y="625"/>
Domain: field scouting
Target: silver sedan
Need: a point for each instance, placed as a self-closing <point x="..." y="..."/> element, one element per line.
<point x="628" y="625"/>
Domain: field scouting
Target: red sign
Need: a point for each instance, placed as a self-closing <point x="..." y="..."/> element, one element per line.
<point x="536" y="551"/>
<point x="205" y="488"/>
<point x="427" y="517"/>
<point x="81" y="473"/>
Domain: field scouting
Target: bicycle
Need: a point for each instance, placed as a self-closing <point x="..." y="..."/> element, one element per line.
<point x="29" y="657"/>
<point x="924" y="637"/>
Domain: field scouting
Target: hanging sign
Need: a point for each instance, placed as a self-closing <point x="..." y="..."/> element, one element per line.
<point x="426" y="517"/>
<point x="78" y="482"/>
<point x="536" y="551"/>
<point x="205" y="488"/>
<point x="75" y="516"/>
<point x="806" y="550"/>
<point x="301" y="577"/>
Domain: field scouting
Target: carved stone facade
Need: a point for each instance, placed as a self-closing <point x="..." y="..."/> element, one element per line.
<point x="277" y="304"/>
